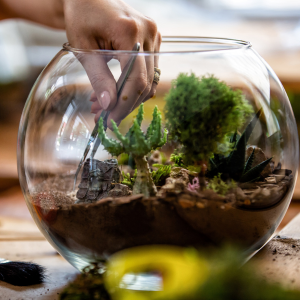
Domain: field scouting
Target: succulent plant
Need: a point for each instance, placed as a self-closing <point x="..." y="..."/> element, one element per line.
<point x="235" y="165"/>
<point x="138" y="144"/>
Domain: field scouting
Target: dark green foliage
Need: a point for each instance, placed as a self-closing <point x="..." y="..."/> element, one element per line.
<point x="201" y="113"/>
<point x="249" y="162"/>
<point x="123" y="159"/>
<point x="234" y="165"/>
<point x="177" y="159"/>
<point x="254" y="173"/>
<point x="87" y="286"/>
<point x="161" y="174"/>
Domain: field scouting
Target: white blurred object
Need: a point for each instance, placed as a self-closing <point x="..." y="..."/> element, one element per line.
<point x="25" y="46"/>
<point x="257" y="8"/>
<point x="13" y="60"/>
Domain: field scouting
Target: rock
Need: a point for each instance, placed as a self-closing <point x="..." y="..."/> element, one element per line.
<point x="186" y="203"/>
<point x="173" y="186"/>
<point x="270" y="179"/>
<point x="259" y="157"/>
<point x="239" y="194"/>
<point x="285" y="172"/>
<point x="274" y="178"/>
<point x="97" y="179"/>
<point x="210" y="195"/>
<point x="170" y="180"/>
<point x="180" y="173"/>
<point x="155" y="158"/>
<point x="120" y="190"/>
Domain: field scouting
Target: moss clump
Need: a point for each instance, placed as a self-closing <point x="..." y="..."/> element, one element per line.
<point x="128" y="180"/>
<point x="178" y="159"/>
<point x="219" y="186"/>
<point x="202" y="112"/>
<point x="161" y="174"/>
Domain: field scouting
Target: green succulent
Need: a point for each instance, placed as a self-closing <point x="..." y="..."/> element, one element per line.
<point x="235" y="165"/>
<point x="137" y="144"/>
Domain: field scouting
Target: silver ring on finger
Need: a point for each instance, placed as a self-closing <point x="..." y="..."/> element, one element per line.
<point x="157" y="73"/>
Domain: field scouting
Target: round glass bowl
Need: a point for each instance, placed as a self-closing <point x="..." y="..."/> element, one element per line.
<point x="211" y="158"/>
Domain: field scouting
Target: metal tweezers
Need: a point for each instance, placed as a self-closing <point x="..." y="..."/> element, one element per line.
<point x="94" y="140"/>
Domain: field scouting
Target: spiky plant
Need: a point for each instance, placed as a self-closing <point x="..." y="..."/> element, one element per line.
<point x="138" y="144"/>
<point x="235" y="165"/>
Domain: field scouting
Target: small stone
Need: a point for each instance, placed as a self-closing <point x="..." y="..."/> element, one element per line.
<point x="270" y="179"/>
<point x="279" y="177"/>
<point x="155" y="158"/>
<point x="120" y="190"/>
<point x="239" y="194"/>
<point x="200" y="205"/>
<point x="170" y="180"/>
<point x="259" y="157"/>
<point x="173" y="186"/>
<point x="247" y="202"/>
<point x="186" y="203"/>
<point x="180" y="173"/>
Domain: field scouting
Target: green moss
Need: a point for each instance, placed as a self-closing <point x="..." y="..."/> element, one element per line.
<point x="178" y="159"/>
<point x="161" y="174"/>
<point x="219" y="186"/>
<point x="128" y="180"/>
<point x="202" y="112"/>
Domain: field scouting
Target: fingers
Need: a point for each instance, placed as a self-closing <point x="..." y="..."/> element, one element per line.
<point x="101" y="79"/>
<point x="136" y="85"/>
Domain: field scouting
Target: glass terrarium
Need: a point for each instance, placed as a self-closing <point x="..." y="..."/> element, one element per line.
<point x="212" y="158"/>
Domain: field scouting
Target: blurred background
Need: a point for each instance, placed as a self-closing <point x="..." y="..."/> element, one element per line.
<point x="272" y="26"/>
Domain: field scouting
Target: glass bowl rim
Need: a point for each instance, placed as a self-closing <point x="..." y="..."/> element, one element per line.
<point x="232" y="43"/>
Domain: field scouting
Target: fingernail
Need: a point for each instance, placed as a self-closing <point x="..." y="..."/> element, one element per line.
<point x="104" y="100"/>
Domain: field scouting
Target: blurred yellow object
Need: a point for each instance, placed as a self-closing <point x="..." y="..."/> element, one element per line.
<point x="182" y="271"/>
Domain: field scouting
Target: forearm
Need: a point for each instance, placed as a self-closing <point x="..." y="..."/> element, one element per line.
<point x="45" y="12"/>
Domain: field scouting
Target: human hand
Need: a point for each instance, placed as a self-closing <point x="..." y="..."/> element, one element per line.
<point x="113" y="25"/>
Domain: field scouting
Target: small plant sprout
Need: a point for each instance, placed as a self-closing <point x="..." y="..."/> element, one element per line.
<point x="138" y="144"/>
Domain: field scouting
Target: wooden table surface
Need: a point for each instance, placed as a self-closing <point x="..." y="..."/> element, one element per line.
<point x="21" y="240"/>
<point x="278" y="261"/>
